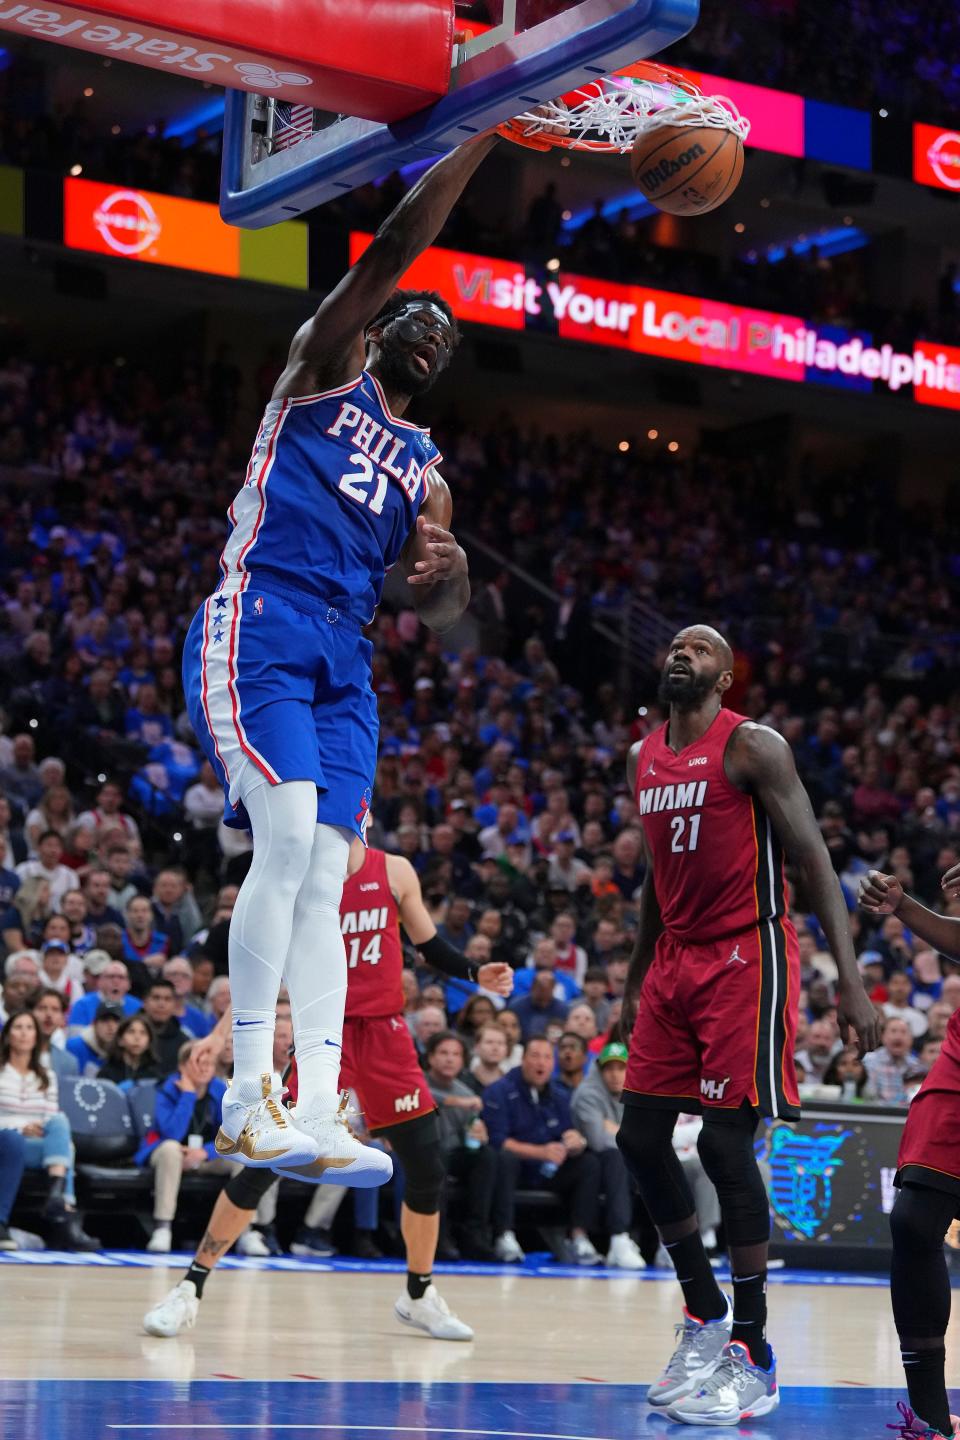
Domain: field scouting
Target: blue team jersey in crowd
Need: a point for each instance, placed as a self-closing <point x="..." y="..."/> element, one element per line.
<point x="331" y="493"/>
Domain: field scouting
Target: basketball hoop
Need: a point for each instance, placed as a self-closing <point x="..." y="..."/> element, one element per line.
<point x="606" y="116"/>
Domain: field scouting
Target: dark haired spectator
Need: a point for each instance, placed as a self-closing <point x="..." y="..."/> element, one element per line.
<point x="141" y="939"/>
<point x="476" y="1013"/>
<point x="847" y="1070"/>
<point x="28" y="1108"/>
<point x="897" y="1004"/>
<point x="537" y="1009"/>
<point x="47" y="866"/>
<point x="490" y="1060"/>
<point x="91" y="1047"/>
<point x="95" y="887"/>
<point x="49" y="1010"/>
<point x="572" y="1060"/>
<point x="132" y="1055"/>
<point x="169" y="1037"/>
<point x="109" y="818"/>
<point x="527" y="1115"/>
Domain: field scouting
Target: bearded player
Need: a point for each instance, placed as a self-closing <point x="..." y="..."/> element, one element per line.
<point x="714" y="984"/>
<point x="928" y="1180"/>
<point x="277" y="672"/>
<point x="381" y="893"/>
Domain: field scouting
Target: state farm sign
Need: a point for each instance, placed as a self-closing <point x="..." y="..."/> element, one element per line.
<point x="159" y="47"/>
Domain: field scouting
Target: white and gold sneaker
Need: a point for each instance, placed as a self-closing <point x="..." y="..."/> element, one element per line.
<point x="257" y="1129"/>
<point x="341" y="1158"/>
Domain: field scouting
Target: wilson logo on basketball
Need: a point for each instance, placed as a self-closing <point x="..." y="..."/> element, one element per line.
<point x="127" y="222"/>
<point x="653" y="178"/>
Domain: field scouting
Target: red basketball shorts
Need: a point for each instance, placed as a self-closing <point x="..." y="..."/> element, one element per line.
<point x="380" y="1063"/>
<point x="930" y="1144"/>
<point x="716" y="1025"/>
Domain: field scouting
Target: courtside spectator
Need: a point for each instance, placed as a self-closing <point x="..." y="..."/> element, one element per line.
<point x="186" y="1120"/>
<point x="527" y="1115"/>
<point x="597" y="1109"/>
<point x="50" y="1013"/>
<point x="466" y="1152"/>
<point x="28" y="1107"/>
<point x="572" y="1059"/>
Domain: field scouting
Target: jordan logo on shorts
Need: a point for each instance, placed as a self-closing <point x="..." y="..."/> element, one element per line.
<point x="736" y="958"/>
<point x="650" y="771"/>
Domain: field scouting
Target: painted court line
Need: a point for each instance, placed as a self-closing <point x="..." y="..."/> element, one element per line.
<point x="370" y="1429"/>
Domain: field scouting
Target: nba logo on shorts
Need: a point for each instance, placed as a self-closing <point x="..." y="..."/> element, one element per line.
<point x="258" y="604"/>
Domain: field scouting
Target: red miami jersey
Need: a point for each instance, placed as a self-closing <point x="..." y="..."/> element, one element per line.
<point x="370" y="924"/>
<point x="717" y="864"/>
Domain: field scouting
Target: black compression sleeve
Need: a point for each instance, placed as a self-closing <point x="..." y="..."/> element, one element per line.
<point x="449" y="961"/>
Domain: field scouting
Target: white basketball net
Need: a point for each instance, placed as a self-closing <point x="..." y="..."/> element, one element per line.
<point x="608" y="114"/>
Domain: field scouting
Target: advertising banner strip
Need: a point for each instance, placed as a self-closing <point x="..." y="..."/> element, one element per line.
<point x="679" y="327"/>
<point x="187" y="234"/>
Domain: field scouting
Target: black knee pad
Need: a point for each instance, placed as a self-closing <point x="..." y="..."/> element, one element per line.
<point x="920" y="1219"/>
<point x="417" y="1144"/>
<point x="725" y="1146"/>
<point x="645" y="1140"/>
<point x="247" y="1188"/>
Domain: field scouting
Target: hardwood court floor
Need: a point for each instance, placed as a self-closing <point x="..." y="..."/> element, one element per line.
<point x="79" y="1322"/>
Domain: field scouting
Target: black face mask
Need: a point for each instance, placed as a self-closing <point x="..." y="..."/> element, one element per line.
<point x="400" y="336"/>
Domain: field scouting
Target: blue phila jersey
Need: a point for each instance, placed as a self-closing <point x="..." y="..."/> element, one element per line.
<point x="331" y="493"/>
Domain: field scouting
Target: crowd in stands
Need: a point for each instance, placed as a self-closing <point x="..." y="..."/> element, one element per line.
<point x="501" y="779"/>
<point x="868" y="53"/>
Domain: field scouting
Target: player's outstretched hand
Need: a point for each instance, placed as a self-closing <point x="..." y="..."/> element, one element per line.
<point x="881" y="894"/>
<point x="444" y="558"/>
<point x="858" y="1018"/>
<point x="950" y="884"/>
<point x="496" y="977"/>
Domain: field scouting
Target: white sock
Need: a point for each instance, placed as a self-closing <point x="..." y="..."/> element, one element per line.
<point x="283" y="819"/>
<point x="316" y="971"/>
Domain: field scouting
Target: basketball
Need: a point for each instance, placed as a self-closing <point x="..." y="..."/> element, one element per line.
<point x="686" y="170"/>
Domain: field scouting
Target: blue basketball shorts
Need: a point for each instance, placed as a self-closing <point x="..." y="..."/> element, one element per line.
<point x="281" y="682"/>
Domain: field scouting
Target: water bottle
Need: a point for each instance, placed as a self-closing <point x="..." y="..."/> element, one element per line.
<point x="548" y="1169"/>
<point x="471" y="1139"/>
<point x="849" y="1091"/>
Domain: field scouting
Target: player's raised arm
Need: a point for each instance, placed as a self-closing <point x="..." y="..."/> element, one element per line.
<point x="884" y="895"/>
<point x="439" y="955"/>
<point x="329" y="349"/>
<point x="434" y="563"/>
<point x="761" y="762"/>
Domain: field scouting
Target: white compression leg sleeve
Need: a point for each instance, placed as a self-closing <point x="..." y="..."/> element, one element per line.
<point x="283" y="819"/>
<point x="316" y="971"/>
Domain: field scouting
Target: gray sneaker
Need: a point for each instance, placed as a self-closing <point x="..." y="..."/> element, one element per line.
<point x="700" y="1348"/>
<point x="736" y="1390"/>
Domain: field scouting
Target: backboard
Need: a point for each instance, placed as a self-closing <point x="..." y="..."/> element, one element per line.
<point x="281" y="160"/>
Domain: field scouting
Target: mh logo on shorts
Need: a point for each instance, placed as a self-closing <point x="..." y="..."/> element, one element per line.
<point x="713" y="1089"/>
<point x="407" y="1102"/>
